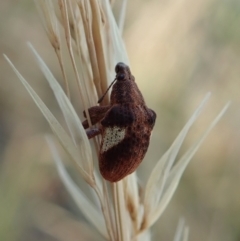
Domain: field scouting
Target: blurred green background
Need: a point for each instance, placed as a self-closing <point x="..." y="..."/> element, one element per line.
<point x="179" y="50"/>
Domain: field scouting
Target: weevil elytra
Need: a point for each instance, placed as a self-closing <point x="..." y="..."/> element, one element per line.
<point x="125" y="126"/>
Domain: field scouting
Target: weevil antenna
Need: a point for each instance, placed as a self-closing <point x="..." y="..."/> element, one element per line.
<point x="101" y="99"/>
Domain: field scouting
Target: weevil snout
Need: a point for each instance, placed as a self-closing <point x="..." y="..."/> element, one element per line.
<point x="120" y="67"/>
<point x="122" y="71"/>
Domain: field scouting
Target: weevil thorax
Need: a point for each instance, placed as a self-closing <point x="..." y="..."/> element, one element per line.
<point x="125" y="90"/>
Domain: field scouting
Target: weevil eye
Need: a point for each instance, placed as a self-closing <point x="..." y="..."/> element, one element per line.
<point x="120" y="77"/>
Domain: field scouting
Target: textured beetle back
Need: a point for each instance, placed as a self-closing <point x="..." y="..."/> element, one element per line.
<point x="128" y="152"/>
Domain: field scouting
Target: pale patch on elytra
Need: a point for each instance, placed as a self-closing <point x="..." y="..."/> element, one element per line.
<point x="112" y="137"/>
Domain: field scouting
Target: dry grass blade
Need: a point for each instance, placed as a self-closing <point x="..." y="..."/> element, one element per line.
<point x="97" y="32"/>
<point x="185" y="234"/>
<point x="85" y="13"/>
<point x="182" y="163"/>
<point x="122" y="16"/>
<point x="179" y="168"/>
<point x="157" y="179"/>
<point x="173" y="176"/>
<point x="181" y="232"/>
<point x="47" y="13"/>
<point x="49" y="20"/>
<point x="120" y="212"/>
<point x="115" y="51"/>
<point x="63" y="137"/>
<point x="132" y="200"/>
<point x="66" y="24"/>
<point x="144" y="236"/>
<point x="93" y="215"/>
<point x="123" y="217"/>
<point x="76" y="130"/>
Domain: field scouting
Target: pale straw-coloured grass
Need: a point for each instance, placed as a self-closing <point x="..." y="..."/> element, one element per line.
<point x="93" y="39"/>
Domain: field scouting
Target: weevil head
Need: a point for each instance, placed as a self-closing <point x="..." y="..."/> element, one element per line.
<point x="123" y="72"/>
<point x="123" y="77"/>
<point x="125" y="89"/>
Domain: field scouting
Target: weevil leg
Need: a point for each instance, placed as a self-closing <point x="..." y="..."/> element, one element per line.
<point x="93" y="132"/>
<point x="96" y="113"/>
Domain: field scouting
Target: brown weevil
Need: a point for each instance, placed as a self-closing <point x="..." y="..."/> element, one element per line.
<point x="125" y="126"/>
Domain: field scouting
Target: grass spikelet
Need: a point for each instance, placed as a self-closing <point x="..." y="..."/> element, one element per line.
<point x="121" y="211"/>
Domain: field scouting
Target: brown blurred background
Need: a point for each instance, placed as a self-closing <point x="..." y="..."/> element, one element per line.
<point x="179" y="50"/>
